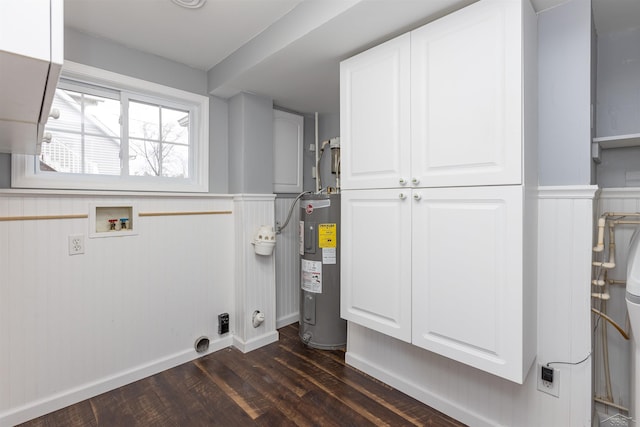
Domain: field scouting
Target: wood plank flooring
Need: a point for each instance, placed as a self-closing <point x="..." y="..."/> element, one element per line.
<point x="282" y="384"/>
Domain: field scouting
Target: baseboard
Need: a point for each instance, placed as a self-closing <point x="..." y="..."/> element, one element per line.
<point x="425" y="396"/>
<point x="287" y="320"/>
<point x="254" y="343"/>
<point x="69" y="397"/>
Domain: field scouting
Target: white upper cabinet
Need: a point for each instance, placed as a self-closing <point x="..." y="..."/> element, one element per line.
<point x="466" y="103"/>
<point x="288" y="146"/>
<point x="31" y="57"/>
<point x="375" y="117"/>
<point x="438" y="107"/>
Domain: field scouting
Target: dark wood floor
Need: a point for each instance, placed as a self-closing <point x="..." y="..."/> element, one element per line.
<point x="282" y="384"/>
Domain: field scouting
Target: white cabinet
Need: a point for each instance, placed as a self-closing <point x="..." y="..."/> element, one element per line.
<point x="440" y="249"/>
<point x="375" y="117"/>
<point x="376" y="254"/>
<point x="467" y="276"/>
<point x="31" y="57"/>
<point x="440" y="106"/>
<point x="466" y="97"/>
<point x="288" y="146"/>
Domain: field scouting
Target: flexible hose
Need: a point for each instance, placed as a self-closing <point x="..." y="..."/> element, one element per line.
<point x="279" y="228"/>
<point x="619" y="328"/>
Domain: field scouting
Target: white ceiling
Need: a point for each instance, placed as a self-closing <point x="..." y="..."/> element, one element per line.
<point x="288" y="50"/>
<point x="199" y="38"/>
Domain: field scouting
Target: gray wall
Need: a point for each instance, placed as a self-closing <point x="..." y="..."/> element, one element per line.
<point x="594" y="79"/>
<point x="107" y="55"/>
<point x="564" y="61"/>
<point x="219" y="145"/>
<point x="120" y="59"/>
<point x="5" y="170"/>
<point x="618" y="106"/>
<point x="250" y="144"/>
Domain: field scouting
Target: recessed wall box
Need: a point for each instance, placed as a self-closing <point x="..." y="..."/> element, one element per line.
<point x="113" y="220"/>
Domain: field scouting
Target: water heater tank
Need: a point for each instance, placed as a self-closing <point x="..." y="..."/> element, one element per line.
<point x="320" y="323"/>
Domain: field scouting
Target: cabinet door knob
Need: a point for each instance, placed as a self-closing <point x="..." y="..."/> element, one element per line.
<point x="415" y="181"/>
<point x="402" y="196"/>
<point x="417" y="196"/>
<point x="403" y="181"/>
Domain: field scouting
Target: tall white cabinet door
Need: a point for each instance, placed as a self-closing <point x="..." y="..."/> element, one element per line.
<point x="466" y="97"/>
<point x="375" y="116"/>
<point x="467" y="276"/>
<point x="376" y="260"/>
<point x="288" y="145"/>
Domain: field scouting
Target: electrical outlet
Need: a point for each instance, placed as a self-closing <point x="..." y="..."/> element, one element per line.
<point x="223" y="323"/>
<point x="76" y="244"/>
<point x="548" y="380"/>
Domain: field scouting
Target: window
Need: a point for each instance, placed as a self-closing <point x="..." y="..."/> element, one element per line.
<point x="119" y="133"/>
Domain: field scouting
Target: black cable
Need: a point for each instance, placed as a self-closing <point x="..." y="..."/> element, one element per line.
<point x="570" y="363"/>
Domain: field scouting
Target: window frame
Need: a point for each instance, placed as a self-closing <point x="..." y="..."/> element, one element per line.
<point x="23" y="167"/>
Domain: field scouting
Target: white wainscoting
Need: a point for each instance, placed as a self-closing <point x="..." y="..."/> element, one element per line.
<point x="287" y="265"/>
<point x="72" y="327"/>
<point x="617" y="200"/>
<point x="563" y="328"/>
<point x="255" y="284"/>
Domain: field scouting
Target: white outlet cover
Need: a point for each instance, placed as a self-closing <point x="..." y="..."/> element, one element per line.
<point x="76" y="244"/>
<point x="546" y="387"/>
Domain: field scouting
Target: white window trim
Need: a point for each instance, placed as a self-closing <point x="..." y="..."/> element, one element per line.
<point x="23" y="170"/>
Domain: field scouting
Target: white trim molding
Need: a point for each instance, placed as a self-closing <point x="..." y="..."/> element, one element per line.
<point x="620" y="193"/>
<point x="25" y="174"/>
<point x="568" y="192"/>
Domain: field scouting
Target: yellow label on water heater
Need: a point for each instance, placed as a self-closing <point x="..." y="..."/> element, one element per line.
<point x="327" y="235"/>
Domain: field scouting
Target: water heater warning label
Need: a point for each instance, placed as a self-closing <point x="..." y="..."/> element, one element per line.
<point x="311" y="276"/>
<point x="327" y="235"/>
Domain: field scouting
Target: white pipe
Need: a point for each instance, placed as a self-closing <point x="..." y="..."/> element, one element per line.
<point x="600" y="246"/>
<point x="602" y="264"/>
<point x="317" y="156"/>
<point x="606" y="214"/>
<point x="612" y="247"/>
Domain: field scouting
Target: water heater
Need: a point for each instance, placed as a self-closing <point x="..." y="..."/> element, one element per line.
<point x="320" y="323"/>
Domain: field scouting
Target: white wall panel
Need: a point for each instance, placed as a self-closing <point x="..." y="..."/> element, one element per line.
<point x="255" y="274"/>
<point x="287" y="265"/>
<point x="75" y="326"/>
<point x="480" y="399"/>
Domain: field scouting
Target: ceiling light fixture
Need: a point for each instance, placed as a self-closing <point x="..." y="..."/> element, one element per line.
<point x="190" y="4"/>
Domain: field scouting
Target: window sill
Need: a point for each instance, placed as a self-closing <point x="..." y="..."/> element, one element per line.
<point x="21" y="192"/>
